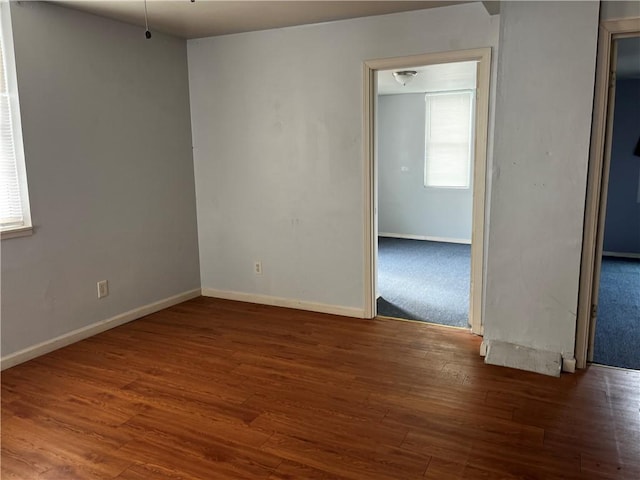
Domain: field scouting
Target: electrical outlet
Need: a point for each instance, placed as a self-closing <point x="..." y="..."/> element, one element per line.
<point x="103" y="288"/>
<point x="257" y="268"/>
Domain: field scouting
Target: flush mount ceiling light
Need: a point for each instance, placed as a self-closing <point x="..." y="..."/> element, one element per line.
<point x="405" y="76"/>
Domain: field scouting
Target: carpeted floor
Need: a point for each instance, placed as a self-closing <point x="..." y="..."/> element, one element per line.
<point x="421" y="280"/>
<point x="617" y="340"/>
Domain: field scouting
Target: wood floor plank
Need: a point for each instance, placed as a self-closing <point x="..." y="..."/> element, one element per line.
<point x="371" y="436"/>
<point x="212" y="442"/>
<point x="149" y="471"/>
<point x="216" y="389"/>
<point x="56" y="445"/>
<point x="440" y="469"/>
<point x="289" y="470"/>
<point x="325" y="456"/>
<point x="190" y="462"/>
<point x="606" y="467"/>
<point x="16" y="465"/>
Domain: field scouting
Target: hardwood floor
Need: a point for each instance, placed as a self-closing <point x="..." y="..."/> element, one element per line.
<point x="213" y="389"/>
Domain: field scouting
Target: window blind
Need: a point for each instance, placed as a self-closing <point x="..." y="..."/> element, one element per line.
<point x="448" y="139"/>
<point x="11" y="211"/>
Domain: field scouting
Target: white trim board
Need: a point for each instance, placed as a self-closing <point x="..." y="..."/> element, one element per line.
<point x="74" y="336"/>
<point x="621" y="254"/>
<point x="425" y="237"/>
<point x="284" y="302"/>
<point x="506" y="354"/>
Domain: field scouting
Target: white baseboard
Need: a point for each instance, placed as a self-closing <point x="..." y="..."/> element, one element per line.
<point x="569" y="364"/>
<point x="422" y="237"/>
<point x="506" y="354"/>
<point x="93" y="329"/>
<point x="284" y="302"/>
<point x="621" y="254"/>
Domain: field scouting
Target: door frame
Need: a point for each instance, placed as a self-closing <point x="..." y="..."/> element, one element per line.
<point x="597" y="182"/>
<point x="483" y="57"/>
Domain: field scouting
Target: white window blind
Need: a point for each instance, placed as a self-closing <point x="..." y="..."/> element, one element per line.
<point x="448" y="139"/>
<point x="12" y="193"/>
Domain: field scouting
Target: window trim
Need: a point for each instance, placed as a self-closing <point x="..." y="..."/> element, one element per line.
<point x="16" y="232"/>
<point x="6" y="31"/>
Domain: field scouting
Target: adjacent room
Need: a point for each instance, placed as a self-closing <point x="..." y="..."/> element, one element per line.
<point x="617" y="333"/>
<point x="425" y="125"/>
<point x="186" y="201"/>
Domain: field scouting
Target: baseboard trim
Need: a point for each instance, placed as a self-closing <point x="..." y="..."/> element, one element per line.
<point x="74" y="336"/>
<point x="284" y="302"/>
<point x="423" y="237"/>
<point x="569" y="364"/>
<point x="621" y="254"/>
<point x="506" y="354"/>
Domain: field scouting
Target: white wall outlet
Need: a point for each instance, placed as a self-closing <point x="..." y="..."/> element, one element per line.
<point x="103" y="288"/>
<point x="257" y="267"/>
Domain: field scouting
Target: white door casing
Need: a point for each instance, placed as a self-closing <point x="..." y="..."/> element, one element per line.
<point x="597" y="182"/>
<point x="483" y="58"/>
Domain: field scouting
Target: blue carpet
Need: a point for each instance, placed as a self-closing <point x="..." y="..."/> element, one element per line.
<point x="617" y="340"/>
<point x="420" y="280"/>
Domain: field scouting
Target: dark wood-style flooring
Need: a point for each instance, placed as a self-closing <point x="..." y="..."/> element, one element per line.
<point x="213" y="389"/>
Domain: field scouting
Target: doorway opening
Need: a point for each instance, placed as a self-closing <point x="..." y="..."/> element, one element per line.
<point x="425" y="142"/>
<point x="608" y="327"/>
<point x="425" y="192"/>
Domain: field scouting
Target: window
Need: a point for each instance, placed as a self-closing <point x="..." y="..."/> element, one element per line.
<point x="15" y="219"/>
<point x="448" y="139"/>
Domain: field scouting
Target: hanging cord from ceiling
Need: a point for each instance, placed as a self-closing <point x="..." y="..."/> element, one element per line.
<point x="147" y="32"/>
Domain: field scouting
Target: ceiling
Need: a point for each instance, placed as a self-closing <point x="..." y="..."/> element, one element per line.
<point x="430" y="78"/>
<point x="205" y="18"/>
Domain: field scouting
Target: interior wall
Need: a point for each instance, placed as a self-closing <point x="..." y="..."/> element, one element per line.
<point x="277" y="126"/>
<point x="405" y="206"/>
<point x="622" y="223"/>
<point x="541" y="145"/>
<point x="107" y="140"/>
<point x="619" y="9"/>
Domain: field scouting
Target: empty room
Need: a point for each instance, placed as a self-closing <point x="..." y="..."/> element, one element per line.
<point x="189" y="258"/>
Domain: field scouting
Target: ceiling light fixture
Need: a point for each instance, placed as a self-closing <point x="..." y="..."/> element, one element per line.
<point x="405" y="76"/>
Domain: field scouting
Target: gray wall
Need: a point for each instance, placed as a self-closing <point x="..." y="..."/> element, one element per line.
<point x="541" y="146"/>
<point x="622" y="225"/>
<point x="107" y="142"/>
<point x="619" y="9"/>
<point x="405" y="206"/>
<point x="277" y="125"/>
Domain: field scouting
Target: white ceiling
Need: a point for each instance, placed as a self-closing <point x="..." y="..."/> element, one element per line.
<point x="430" y="78"/>
<point x="205" y="18"/>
